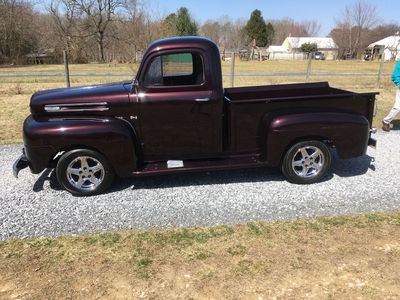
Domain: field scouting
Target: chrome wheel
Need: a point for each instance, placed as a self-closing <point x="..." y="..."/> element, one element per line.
<point x="85" y="173"/>
<point x="306" y="162"/>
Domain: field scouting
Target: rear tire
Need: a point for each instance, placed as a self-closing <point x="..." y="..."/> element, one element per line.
<point x="84" y="172"/>
<point x="306" y="162"/>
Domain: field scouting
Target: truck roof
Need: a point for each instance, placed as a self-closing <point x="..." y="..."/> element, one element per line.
<point x="182" y="43"/>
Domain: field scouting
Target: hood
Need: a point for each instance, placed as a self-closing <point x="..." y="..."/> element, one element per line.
<point x="104" y="99"/>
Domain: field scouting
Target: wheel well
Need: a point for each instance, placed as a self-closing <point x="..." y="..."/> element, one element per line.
<point x="325" y="140"/>
<point x="54" y="161"/>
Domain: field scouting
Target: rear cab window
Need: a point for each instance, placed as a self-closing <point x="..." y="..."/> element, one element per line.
<point x="178" y="69"/>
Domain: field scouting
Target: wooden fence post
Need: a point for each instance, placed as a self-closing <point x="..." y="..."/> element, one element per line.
<point x="308" y="67"/>
<point x="378" y="83"/>
<point x="232" y="68"/>
<point x="66" y="68"/>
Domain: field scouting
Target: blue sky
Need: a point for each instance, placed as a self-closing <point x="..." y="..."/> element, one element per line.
<point x="322" y="11"/>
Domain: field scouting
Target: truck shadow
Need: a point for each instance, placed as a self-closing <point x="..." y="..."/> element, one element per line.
<point x="352" y="166"/>
<point x="202" y="178"/>
<point x="48" y="175"/>
<point x="340" y="167"/>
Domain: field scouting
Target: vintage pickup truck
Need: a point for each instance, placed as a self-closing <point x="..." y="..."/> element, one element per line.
<point x="175" y="116"/>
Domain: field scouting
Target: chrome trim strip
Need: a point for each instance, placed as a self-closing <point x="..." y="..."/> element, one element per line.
<point x="82" y="109"/>
<point x="78" y="119"/>
<point x="58" y="107"/>
<point x="202" y="99"/>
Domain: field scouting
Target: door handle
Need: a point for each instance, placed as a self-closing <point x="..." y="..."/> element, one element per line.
<point x="202" y="99"/>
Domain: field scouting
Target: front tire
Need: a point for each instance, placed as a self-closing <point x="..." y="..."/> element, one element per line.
<point x="84" y="172"/>
<point x="306" y="162"/>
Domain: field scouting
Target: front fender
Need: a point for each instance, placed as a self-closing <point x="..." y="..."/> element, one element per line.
<point x="45" y="137"/>
<point x="348" y="132"/>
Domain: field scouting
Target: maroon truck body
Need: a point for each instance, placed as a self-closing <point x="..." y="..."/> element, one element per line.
<point x="176" y="117"/>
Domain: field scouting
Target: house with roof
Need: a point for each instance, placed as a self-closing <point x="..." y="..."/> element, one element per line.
<point x="324" y="44"/>
<point x="276" y="49"/>
<point x="389" y="46"/>
<point x="43" y="56"/>
<point x="281" y="53"/>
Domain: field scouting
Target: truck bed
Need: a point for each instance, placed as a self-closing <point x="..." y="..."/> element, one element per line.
<point x="247" y="106"/>
<point x="284" y="91"/>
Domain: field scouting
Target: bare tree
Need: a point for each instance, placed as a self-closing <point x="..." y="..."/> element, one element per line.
<point x="352" y="24"/>
<point x="65" y="19"/>
<point x="383" y="31"/>
<point x="212" y="30"/>
<point x="287" y="27"/>
<point x="18" y="30"/>
<point x="141" y="25"/>
<point x="99" y="14"/>
<point x="225" y="32"/>
<point x="311" y="28"/>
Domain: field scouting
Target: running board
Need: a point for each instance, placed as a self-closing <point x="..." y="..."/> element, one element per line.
<point x="180" y="166"/>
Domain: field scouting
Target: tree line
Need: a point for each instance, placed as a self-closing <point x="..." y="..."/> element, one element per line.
<point x="117" y="30"/>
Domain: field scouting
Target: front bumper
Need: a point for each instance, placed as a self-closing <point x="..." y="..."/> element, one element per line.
<point x="20" y="163"/>
<point x="372" y="142"/>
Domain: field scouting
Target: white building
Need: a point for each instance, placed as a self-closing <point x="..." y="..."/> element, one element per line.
<point x="281" y="53"/>
<point x="324" y="44"/>
<point x="390" y="46"/>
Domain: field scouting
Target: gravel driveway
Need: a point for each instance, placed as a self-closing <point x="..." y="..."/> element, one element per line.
<point x="36" y="205"/>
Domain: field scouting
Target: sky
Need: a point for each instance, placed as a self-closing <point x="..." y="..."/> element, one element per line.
<point x="322" y="11"/>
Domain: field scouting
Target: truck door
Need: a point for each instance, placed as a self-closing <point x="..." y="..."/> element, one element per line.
<point x="175" y="108"/>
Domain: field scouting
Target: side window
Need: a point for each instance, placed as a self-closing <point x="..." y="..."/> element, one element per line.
<point x="175" y="69"/>
<point x="153" y="76"/>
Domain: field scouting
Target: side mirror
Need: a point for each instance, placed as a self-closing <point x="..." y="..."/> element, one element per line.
<point x="135" y="86"/>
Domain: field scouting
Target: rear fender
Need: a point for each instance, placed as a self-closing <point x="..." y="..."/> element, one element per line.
<point x="349" y="133"/>
<point x="46" y="139"/>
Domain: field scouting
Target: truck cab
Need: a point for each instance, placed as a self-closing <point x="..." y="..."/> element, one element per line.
<point x="178" y="89"/>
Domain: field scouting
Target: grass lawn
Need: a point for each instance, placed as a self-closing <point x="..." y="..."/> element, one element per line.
<point x="325" y="258"/>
